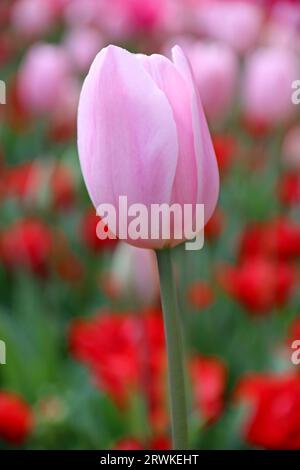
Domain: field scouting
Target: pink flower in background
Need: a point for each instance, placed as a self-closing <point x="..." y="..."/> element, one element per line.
<point x="32" y="18"/>
<point x="236" y="23"/>
<point x="287" y="14"/>
<point x="142" y="133"/>
<point x="142" y="15"/>
<point x="44" y="78"/>
<point x="133" y="275"/>
<point x="81" y="45"/>
<point x="280" y="35"/>
<point x="215" y="68"/>
<point x="78" y="13"/>
<point x="267" y="86"/>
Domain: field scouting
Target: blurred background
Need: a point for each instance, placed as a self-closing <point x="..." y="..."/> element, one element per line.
<point x="80" y="318"/>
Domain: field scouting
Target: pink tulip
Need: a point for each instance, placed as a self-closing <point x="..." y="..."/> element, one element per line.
<point x="121" y="19"/>
<point x="142" y="134"/>
<point x="236" y="23"/>
<point x="215" y="68"/>
<point x="133" y="275"/>
<point x="287" y="14"/>
<point x="267" y="87"/>
<point x="82" y="44"/>
<point x="44" y="78"/>
<point x="83" y="12"/>
<point x="145" y="15"/>
<point x="283" y="25"/>
<point x="31" y="19"/>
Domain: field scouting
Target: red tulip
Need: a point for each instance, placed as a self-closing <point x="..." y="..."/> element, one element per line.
<point x="274" y="416"/>
<point x="16" y="418"/>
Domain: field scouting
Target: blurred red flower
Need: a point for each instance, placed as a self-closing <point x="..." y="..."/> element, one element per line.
<point x="274" y="421"/>
<point x="252" y="242"/>
<point x="128" y="443"/>
<point x="259" y="284"/>
<point x="160" y="443"/>
<point x="106" y="344"/>
<point x="279" y="238"/>
<point x="125" y="354"/>
<point x="62" y="187"/>
<point x="200" y="294"/>
<point x="289" y="188"/>
<point x="16" y="418"/>
<point x="27" y="243"/>
<point x="23" y="180"/>
<point x="283" y="238"/>
<point x="208" y="380"/>
<point x="214" y="226"/>
<point x="225" y="148"/>
<point x="294" y="332"/>
<point x="89" y="236"/>
<point x="27" y="180"/>
<point x="156" y="443"/>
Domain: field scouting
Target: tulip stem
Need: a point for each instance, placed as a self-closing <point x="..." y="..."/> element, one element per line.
<point x="173" y="334"/>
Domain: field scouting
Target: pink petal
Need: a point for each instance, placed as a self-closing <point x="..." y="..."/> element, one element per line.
<point x="208" y="174"/>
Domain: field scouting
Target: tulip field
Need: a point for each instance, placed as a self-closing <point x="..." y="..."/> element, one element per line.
<point x="112" y="342"/>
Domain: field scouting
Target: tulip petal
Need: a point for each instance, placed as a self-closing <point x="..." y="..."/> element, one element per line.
<point x="208" y="174"/>
<point x="171" y="82"/>
<point x="127" y="136"/>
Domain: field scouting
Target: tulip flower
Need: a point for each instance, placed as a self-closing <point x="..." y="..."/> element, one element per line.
<point x="237" y="24"/>
<point x="267" y="91"/>
<point x="274" y="409"/>
<point x="81" y="44"/>
<point x="133" y="275"/>
<point x="16" y="418"/>
<point x="216" y="69"/>
<point x="44" y="78"/>
<point x="30" y="20"/>
<point x="142" y="134"/>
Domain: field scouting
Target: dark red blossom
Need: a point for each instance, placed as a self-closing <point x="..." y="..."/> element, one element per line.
<point x="279" y="238"/>
<point x="89" y="236"/>
<point x="16" y="418"/>
<point x="259" y="284"/>
<point x="26" y="244"/>
<point x="124" y="353"/>
<point x="208" y="376"/>
<point x="289" y="188"/>
<point x="274" y="413"/>
<point x="156" y="443"/>
<point x="28" y="180"/>
<point x="225" y="148"/>
<point x="214" y="226"/>
<point x="128" y="443"/>
<point x="294" y="332"/>
<point x="200" y="294"/>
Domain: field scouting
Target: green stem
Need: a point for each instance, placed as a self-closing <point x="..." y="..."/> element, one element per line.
<point x="174" y="341"/>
